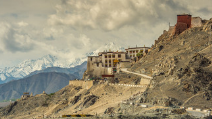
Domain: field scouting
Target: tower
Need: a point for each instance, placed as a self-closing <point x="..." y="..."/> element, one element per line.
<point x="183" y="23"/>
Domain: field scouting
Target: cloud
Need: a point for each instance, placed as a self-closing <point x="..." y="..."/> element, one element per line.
<point x="51" y="33"/>
<point x="70" y="28"/>
<point x="81" y="43"/>
<point x="22" y="24"/>
<point x="14" y="41"/>
<point x="50" y="38"/>
<point x="114" y="14"/>
<point x="204" y="11"/>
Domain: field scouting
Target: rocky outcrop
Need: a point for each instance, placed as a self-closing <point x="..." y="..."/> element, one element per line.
<point x="89" y="100"/>
<point x="181" y="71"/>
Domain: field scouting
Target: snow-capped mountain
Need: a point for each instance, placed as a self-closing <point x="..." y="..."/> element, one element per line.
<point x="29" y="66"/>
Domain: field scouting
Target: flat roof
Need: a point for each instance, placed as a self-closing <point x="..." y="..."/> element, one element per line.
<point x="124" y="61"/>
<point x="183" y="14"/>
<point x="93" y="56"/>
<point x="107" y="75"/>
<point x="113" y="52"/>
<point x="136" y="48"/>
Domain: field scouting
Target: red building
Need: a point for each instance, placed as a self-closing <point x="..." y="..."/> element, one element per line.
<point x="183" y="23"/>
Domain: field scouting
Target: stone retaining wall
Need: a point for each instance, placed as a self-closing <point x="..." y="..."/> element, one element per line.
<point x="83" y="84"/>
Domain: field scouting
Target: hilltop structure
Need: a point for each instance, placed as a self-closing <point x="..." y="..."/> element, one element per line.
<point x="132" y="52"/>
<point x="184" y="22"/>
<point x="107" y="63"/>
<point x="26" y="95"/>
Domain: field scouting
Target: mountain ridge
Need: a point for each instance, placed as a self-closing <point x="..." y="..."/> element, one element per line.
<point x="49" y="82"/>
<point x="28" y="66"/>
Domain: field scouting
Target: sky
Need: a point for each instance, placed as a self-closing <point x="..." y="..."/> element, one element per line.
<point x="30" y="29"/>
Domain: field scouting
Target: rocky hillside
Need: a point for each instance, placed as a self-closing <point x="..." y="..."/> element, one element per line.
<point x="36" y="84"/>
<point x="69" y="100"/>
<point x="181" y="67"/>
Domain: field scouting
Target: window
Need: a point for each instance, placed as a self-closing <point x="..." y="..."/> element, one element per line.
<point x="105" y="56"/>
<point x="114" y="64"/>
<point x="91" y="58"/>
<point x="113" y="56"/>
<point x="119" y="55"/>
<point x="109" y="56"/>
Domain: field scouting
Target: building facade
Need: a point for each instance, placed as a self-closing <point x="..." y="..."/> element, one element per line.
<point x="105" y="63"/>
<point x="108" y="63"/>
<point x="183" y="23"/>
<point x="132" y="52"/>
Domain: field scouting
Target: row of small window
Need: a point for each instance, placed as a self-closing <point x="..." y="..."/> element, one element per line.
<point x="135" y="51"/>
<point x="110" y="60"/>
<point x="95" y="59"/>
<point x="132" y="55"/>
<point x="109" y="65"/>
<point x="113" y="56"/>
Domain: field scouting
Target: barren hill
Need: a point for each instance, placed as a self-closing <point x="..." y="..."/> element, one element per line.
<point x="181" y="68"/>
<point x="70" y="100"/>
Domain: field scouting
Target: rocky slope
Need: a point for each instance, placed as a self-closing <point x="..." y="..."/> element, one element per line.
<point x="102" y="99"/>
<point x="69" y="100"/>
<point x="182" y="69"/>
<point x="36" y="84"/>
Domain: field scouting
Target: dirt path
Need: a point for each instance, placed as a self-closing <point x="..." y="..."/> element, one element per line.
<point x="142" y="75"/>
<point x="191" y="98"/>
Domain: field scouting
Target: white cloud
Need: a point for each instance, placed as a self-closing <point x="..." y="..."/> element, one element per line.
<point x="22" y="24"/>
<point x="114" y="14"/>
<point x="14" y="41"/>
<point x="70" y="28"/>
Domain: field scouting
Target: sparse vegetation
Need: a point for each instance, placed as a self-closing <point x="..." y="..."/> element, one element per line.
<point x="51" y="94"/>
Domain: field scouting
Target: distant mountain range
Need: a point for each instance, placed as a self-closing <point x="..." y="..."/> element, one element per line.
<point x="77" y="71"/>
<point x="50" y="63"/>
<point x="49" y="82"/>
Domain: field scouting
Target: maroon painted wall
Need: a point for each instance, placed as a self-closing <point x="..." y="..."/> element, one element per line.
<point x="184" y="19"/>
<point x="183" y="23"/>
